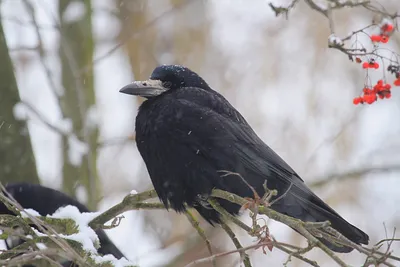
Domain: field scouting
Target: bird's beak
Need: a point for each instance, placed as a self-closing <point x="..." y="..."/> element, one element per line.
<point x="149" y="88"/>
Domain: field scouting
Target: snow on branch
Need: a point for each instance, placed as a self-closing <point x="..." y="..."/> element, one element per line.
<point x="62" y="236"/>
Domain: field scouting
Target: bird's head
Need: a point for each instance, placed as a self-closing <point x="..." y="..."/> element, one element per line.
<point x="165" y="78"/>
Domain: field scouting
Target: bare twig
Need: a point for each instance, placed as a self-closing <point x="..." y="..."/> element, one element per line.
<point x="196" y="225"/>
<point x="353" y="174"/>
<point x="44" y="120"/>
<point x="130" y="202"/>
<point x="175" y="8"/>
<point x="282" y="10"/>
<point x="243" y="255"/>
<point x="55" y="89"/>
<point x="229" y="216"/>
<point x="208" y="259"/>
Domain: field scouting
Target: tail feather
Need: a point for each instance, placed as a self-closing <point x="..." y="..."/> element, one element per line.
<point x="313" y="209"/>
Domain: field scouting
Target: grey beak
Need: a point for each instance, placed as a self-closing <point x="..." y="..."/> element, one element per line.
<point x="149" y="88"/>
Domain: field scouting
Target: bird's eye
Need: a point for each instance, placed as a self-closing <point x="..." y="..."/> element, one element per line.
<point x="167" y="84"/>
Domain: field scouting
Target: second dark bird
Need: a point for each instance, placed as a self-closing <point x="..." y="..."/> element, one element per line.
<point x="187" y="133"/>
<point x="47" y="201"/>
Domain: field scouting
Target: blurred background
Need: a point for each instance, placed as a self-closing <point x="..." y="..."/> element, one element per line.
<point x="64" y="124"/>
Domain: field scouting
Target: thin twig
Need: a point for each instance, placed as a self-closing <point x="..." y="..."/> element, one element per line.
<point x="135" y="34"/>
<point x="353" y="174"/>
<point x="226" y="214"/>
<point x="208" y="259"/>
<point x="243" y="255"/>
<point x="196" y="225"/>
<point x="130" y="202"/>
<point x="40" y="48"/>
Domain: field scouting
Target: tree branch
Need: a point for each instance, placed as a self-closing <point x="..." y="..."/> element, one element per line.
<point x="196" y="225"/>
<point x="312" y="231"/>
<point x="130" y="202"/>
<point x="353" y="174"/>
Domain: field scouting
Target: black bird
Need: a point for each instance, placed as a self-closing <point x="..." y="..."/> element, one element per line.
<point x="187" y="133"/>
<point x="46" y="201"/>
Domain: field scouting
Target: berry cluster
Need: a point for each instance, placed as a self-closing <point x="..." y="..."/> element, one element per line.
<point x="383" y="37"/>
<point x="371" y="64"/>
<point x="381" y="89"/>
<point x="370" y="95"/>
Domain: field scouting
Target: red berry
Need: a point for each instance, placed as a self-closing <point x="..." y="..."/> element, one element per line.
<point x="376" y="65"/>
<point x="387" y="86"/>
<point x="381" y="96"/>
<point x="384" y="39"/>
<point x="387" y="27"/>
<point x="397" y="82"/>
<point x="388" y="95"/>
<point x="380" y="82"/>
<point x="365" y="65"/>
<point x="370" y="98"/>
<point x="357" y="100"/>
<point x="376" y="38"/>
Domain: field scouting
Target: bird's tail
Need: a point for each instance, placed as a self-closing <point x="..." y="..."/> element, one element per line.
<point x="313" y="209"/>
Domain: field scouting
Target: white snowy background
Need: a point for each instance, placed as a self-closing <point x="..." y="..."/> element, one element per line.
<point x="294" y="91"/>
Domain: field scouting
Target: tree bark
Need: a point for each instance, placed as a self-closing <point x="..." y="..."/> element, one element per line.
<point x="76" y="53"/>
<point x="17" y="160"/>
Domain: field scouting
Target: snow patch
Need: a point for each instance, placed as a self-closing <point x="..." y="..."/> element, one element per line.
<point x="92" y="117"/>
<point x="20" y="112"/>
<point x="86" y="235"/>
<point x="81" y="194"/>
<point x="114" y="261"/>
<point x="41" y="246"/>
<point x="133" y="192"/>
<point x="76" y="150"/>
<point x="65" y="125"/>
<point x="333" y="40"/>
<point x="74" y="12"/>
<point x="31" y="212"/>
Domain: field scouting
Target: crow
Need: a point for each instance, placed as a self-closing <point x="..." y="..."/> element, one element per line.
<point x="193" y="140"/>
<point x="46" y="201"/>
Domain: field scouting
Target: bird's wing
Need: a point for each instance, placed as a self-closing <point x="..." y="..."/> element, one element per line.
<point x="222" y="124"/>
<point x="217" y="132"/>
<point x="212" y="128"/>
